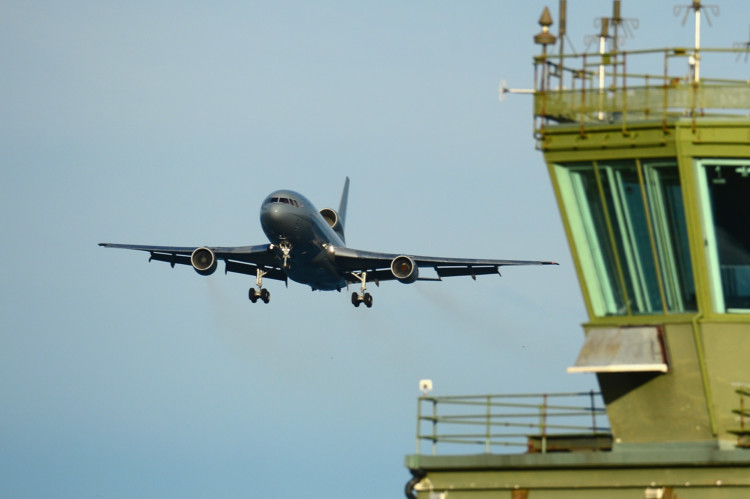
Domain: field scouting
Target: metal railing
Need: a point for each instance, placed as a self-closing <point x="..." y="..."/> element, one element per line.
<point x="743" y="416"/>
<point x="523" y="420"/>
<point x="617" y="87"/>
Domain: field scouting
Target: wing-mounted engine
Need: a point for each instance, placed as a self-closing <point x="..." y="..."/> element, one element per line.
<point x="332" y="217"/>
<point x="404" y="269"/>
<point x="203" y="261"/>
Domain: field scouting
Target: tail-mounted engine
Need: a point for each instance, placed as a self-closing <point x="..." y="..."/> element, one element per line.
<point x="330" y="216"/>
<point x="203" y="261"/>
<point x="404" y="269"/>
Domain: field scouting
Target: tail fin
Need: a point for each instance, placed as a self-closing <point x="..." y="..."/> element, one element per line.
<point x="342" y="206"/>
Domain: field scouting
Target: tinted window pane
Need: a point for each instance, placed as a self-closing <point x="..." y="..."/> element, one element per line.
<point x="628" y="224"/>
<point x="729" y="198"/>
<point x="668" y="217"/>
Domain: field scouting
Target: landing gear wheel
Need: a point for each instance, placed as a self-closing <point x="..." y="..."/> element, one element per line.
<point x="367" y="298"/>
<point x="263" y="294"/>
<point x="355" y="299"/>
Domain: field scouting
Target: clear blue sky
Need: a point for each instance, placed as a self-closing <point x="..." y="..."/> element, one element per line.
<point x="167" y="123"/>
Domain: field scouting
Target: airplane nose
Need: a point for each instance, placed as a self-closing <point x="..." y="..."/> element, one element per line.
<point x="272" y="211"/>
<point x="268" y="214"/>
<point x="272" y="220"/>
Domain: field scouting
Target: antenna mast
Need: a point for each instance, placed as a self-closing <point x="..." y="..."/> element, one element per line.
<point x="696" y="7"/>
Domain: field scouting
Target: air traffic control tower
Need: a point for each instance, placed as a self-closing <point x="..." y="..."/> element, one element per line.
<point x="649" y="156"/>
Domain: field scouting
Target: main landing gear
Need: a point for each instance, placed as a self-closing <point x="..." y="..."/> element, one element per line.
<point x="261" y="292"/>
<point x="362" y="297"/>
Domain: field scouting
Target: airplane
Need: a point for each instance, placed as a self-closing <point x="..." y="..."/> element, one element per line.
<point x="308" y="246"/>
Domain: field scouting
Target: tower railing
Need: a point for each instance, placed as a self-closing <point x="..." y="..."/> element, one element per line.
<point x="571" y="89"/>
<point x="539" y="422"/>
<point x="743" y="417"/>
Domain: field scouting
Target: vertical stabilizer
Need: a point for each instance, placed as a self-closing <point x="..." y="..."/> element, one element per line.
<point x="342" y="206"/>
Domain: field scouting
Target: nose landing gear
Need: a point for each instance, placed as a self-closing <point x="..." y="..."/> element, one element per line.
<point x="261" y="292"/>
<point x="286" y="248"/>
<point x="362" y="297"/>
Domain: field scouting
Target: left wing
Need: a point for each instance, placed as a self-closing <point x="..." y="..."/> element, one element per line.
<point x="239" y="259"/>
<point x="378" y="265"/>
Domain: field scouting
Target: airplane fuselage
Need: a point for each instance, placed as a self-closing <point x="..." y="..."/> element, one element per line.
<point x="289" y="218"/>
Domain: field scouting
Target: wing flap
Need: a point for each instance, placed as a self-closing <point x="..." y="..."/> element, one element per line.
<point x="170" y="258"/>
<point x="260" y="254"/>
<point x="375" y="276"/>
<point x="249" y="269"/>
<point x="468" y="270"/>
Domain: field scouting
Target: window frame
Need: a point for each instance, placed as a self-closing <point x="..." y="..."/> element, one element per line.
<point x="616" y="263"/>
<point x="711" y="246"/>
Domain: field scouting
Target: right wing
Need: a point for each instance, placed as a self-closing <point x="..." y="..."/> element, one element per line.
<point x="378" y="265"/>
<point x="239" y="259"/>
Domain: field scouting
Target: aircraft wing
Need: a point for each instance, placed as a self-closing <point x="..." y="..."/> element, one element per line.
<point x="378" y="265"/>
<point x="238" y="259"/>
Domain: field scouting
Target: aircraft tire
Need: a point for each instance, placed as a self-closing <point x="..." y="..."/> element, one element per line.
<point x="368" y="300"/>
<point x="355" y="299"/>
<point x="252" y="294"/>
<point x="265" y="295"/>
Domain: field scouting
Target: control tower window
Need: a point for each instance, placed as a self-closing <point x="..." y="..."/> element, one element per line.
<point x="725" y="202"/>
<point x="628" y="225"/>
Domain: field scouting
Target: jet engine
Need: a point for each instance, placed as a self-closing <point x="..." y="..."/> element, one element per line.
<point x="331" y="217"/>
<point x="404" y="269"/>
<point x="203" y="261"/>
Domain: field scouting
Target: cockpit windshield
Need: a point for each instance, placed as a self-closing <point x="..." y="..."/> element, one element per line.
<point x="283" y="200"/>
